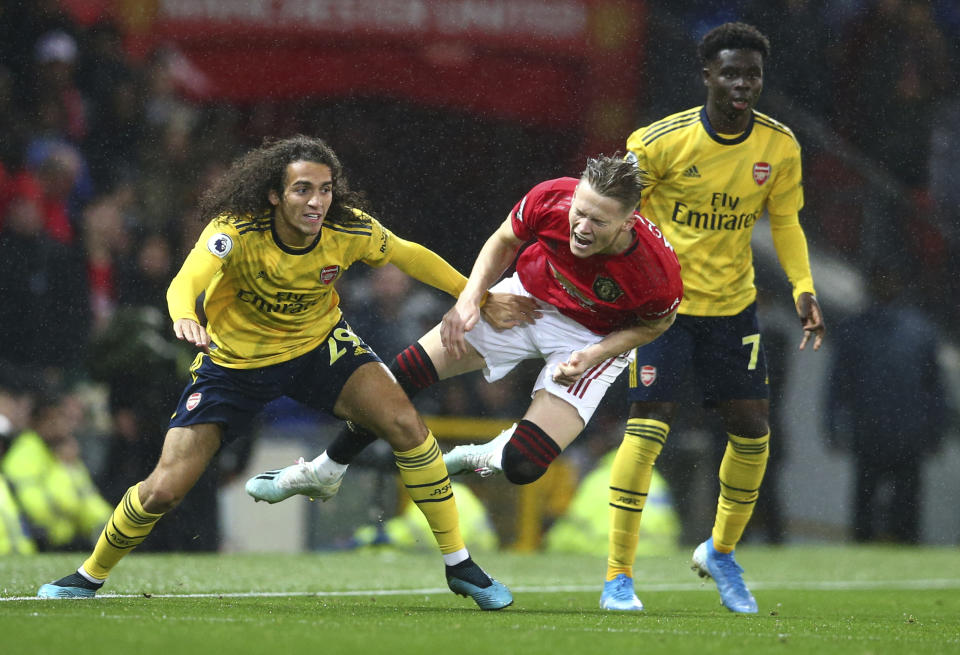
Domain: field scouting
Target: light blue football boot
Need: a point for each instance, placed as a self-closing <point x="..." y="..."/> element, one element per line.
<point x="723" y="568"/>
<point x="70" y="586"/>
<point x="618" y="594"/>
<point x="468" y="579"/>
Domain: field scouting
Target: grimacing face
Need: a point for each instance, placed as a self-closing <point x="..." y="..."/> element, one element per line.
<point x="306" y="198"/>
<point x="598" y="225"/>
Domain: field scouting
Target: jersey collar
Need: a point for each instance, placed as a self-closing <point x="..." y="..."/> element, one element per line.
<point x="716" y="136"/>
<point x="290" y="250"/>
<point x="634" y="244"/>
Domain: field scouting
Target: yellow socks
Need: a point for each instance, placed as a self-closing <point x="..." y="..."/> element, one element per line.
<point x="425" y="476"/>
<point x="124" y="531"/>
<point x="741" y="473"/>
<point x="629" y="483"/>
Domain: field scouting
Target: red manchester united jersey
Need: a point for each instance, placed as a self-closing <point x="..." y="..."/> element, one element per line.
<point x="603" y="293"/>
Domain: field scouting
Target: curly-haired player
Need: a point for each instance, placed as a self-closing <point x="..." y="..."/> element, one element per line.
<point x="283" y="228"/>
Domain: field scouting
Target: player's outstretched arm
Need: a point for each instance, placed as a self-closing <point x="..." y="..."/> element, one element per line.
<point x="615" y="343"/>
<point x="421" y="263"/>
<point x="811" y="317"/>
<point x="496" y="254"/>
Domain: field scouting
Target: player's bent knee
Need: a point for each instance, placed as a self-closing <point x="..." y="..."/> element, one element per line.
<point x="528" y="454"/>
<point x="159" y="500"/>
<point x="403" y="429"/>
<point x="518" y="470"/>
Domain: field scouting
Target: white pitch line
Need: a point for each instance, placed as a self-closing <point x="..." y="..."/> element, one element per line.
<point x="816" y="585"/>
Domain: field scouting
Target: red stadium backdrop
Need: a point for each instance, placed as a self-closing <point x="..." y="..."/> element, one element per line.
<point x="564" y="64"/>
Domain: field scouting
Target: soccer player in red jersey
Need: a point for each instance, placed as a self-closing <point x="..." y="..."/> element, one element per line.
<point x="604" y="281"/>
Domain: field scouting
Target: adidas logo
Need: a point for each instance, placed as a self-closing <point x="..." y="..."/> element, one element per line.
<point x="691" y="172"/>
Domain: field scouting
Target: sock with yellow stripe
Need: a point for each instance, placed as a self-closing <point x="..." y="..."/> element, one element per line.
<point x="125" y="530"/>
<point x="629" y="484"/>
<point x="425" y="476"/>
<point x="741" y="472"/>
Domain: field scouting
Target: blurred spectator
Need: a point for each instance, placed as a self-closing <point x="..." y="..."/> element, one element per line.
<point x="50" y="480"/>
<point x="114" y="86"/>
<point x="168" y="72"/>
<point x="55" y="56"/>
<point x="21" y="26"/>
<point x="102" y="63"/>
<point x="167" y="172"/>
<point x="886" y="406"/>
<point x="116" y="134"/>
<point x="16" y="403"/>
<point x="64" y="176"/>
<point x="799" y="32"/>
<point x="583" y="529"/>
<point x="145" y="271"/>
<point x="14" y="125"/>
<point x="944" y="186"/>
<point x="391" y="310"/>
<point x="105" y="241"/>
<point x="43" y="291"/>
<point x="893" y="67"/>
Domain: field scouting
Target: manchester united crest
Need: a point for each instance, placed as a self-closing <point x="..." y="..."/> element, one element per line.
<point x="761" y="171"/>
<point x="606" y="289"/>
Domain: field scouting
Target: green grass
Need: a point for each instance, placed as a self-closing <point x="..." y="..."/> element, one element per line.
<point x="812" y="600"/>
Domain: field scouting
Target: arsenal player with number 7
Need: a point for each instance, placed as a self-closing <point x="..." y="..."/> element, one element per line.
<point x="711" y="171"/>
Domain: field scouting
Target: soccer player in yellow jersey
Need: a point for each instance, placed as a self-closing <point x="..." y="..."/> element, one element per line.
<point x="283" y="228"/>
<point x="712" y="171"/>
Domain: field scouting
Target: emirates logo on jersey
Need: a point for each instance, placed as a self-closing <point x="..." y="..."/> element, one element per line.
<point x="648" y="375"/>
<point x="329" y="273"/>
<point x="761" y="172"/>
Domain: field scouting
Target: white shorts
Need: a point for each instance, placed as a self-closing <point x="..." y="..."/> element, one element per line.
<point x="553" y="338"/>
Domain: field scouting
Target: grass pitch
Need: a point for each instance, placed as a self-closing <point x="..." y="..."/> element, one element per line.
<point x="812" y="599"/>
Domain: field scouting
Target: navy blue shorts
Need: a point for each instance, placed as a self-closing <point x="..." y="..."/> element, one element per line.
<point x="232" y="397"/>
<point x="721" y="356"/>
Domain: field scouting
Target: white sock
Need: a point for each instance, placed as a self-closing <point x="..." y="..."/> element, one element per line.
<point x="88" y="577"/>
<point x="500" y="442"/>
<point x="455" y="558"/>
<point x="326" y="469"/>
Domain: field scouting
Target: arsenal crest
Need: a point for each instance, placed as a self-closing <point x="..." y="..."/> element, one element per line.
<point x="606" y="289"/>
<point x="329" y="273"/>
<point x="761" y="171"/>
<point x="648" y="375"/>
<point x="193" y="400"/>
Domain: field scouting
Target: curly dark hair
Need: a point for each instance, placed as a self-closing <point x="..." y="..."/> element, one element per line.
<point x="243" y="190"/>
<point x="733" y="36"/>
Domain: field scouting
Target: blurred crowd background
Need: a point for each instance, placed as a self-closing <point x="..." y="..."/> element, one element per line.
<point x="112" y="123"/>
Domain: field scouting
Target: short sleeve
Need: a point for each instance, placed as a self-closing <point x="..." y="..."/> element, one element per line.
<point x="379" y="247"/>
<point x="524" y="216"/>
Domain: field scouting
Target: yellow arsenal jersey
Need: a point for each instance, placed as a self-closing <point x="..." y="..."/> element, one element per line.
<point x="266" y="302"/>
<point x="706" y="192"/>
